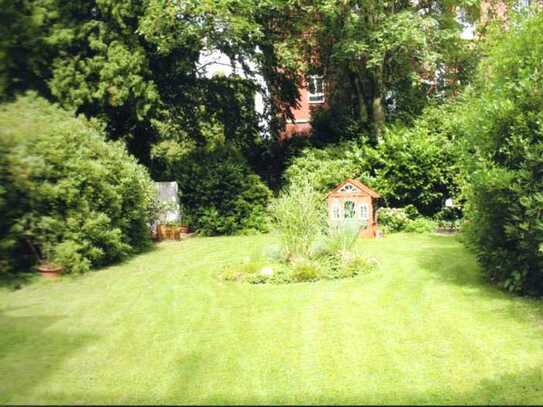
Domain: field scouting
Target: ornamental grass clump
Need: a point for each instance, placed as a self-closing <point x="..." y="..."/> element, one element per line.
<point x="298" y="216"/>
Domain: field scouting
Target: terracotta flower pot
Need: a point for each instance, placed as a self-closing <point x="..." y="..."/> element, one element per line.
<point x="49" y="270"/>
<point x="162" y="232"/>
<point x="176" y="234"/>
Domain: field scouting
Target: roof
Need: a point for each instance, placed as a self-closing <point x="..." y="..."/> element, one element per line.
<point x="357" y="184"/>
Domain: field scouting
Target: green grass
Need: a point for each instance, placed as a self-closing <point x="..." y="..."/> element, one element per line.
<point x="163" y="328"/>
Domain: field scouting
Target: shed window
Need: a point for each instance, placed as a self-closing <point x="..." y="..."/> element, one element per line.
<point x="364" y="211"/>
<point x="316" y="89"/>
<point x="348" y="210"/>
<point x="336" y="211"/>
<point x="348" y="188"/>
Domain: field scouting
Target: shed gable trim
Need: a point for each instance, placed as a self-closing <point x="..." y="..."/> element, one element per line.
<point x="357" y="185"/>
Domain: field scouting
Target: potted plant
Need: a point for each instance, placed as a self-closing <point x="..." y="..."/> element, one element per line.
<point x="41" y="235"/>
<point x="183" y="226"/>
<point x="46" y="267"/>
<point x="176" y="230"/>
<point x="164" y="226"/>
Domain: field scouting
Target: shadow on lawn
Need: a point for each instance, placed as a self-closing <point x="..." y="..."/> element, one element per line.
<point x="524" y="388"/>
<point x="16" y="281"/>
<point x="512" y="389"/>
<point x="452" y="264"/>
<point x="31" y="350"/>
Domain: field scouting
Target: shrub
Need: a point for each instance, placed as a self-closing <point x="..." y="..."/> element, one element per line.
<point x="393" y="219"/>
<point x="421" y="225"/>
<point x="502" y="120"/>
<point x="449" y="218"/>
<point x="405" y="219"/>
<point x="306" y="252"/>
<point x="220" y="194"/>
<point x="81" y="200"/>
<point x="411" y="166"/>
<point x="68" y="253"/>
<point x="305" y="270"/>
<point x="415" y="166"/>
<point x="355" y="265"/>
<point x="328" y="167"/>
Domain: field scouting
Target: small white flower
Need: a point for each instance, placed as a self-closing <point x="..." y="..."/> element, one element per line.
<point x="266" y="271"/>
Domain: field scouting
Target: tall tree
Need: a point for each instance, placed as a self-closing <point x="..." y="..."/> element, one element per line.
<point x="134" y="64"/>
<point x="376" y="50"/>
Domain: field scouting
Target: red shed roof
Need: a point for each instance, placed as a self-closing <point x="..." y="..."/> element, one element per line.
<point x="358" y="185"/>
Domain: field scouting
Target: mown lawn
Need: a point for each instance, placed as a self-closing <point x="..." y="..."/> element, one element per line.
<point x="162" y="328"/>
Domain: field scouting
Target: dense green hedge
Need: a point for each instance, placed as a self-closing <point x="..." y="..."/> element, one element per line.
<point x="416" y="166"/>
<point x="503" y="122"/>
<point x="219" y="192"/>
<point x="76" y="199"/>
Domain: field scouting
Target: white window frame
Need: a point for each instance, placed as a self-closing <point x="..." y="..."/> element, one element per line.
<point x="350" y="188"/>
<point x="336" y="211"/>
<point x="364" y="208"/>
<point x="315" y="97"/>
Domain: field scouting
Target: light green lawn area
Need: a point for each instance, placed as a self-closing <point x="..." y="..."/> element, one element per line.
<point x="162" y="328"/>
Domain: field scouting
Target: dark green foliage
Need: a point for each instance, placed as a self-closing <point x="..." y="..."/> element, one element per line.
<point x="70" y="196"/>
<point x="219" y="192"/>
<point x="326" y="167"/>
<point x="415" y="165"/>
<point x="23" y="57"/>
<point x="135" y="65"/>
<point x="503" y="118"/>
<point x="378" y="55"/>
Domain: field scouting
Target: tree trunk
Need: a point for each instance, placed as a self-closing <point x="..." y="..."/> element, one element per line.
<point x="378" y="117"/>
<point x="377" y="107"/>
<point x="362" y="111"/>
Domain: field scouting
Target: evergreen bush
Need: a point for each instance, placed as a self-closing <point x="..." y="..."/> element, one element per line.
<point x="67" y="194"/>
<point x="220" y="194"/>
<point x="503" y="123"/>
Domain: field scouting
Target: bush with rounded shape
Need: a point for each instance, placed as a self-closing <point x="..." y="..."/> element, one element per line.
<point x="305" y="270"/>
<point x="220" y="194"/>
<point x="421" y="225"/>
<point x="393" y="219"/>
<point x="83" y="201"/>
<point x="417" y="167"/>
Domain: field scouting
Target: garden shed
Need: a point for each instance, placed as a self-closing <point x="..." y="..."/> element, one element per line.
<point x="352" y="200"/>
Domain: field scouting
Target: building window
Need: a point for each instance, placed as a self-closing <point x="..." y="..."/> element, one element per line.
<point x="522" y="4"/>
<point x="468" y="29"/>
<point x="316" y="89"/>
<point x="348" y="210"/>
